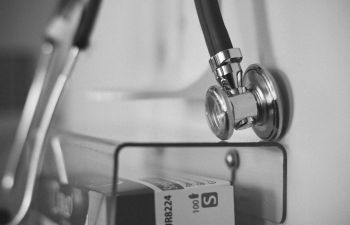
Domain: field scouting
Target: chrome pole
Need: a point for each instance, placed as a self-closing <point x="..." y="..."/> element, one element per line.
<point x="58" y="58"/>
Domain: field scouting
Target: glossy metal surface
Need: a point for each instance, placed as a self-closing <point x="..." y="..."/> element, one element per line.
<point x="261" y="105"/>
<point x="270" y="119"/>
<point x="225" y="56"/>
<point x="227" y="70"/>
<point x="55" y="67"/>
<point x="226" y="113"/>
<point x="38" y="145"/>
<point x="219" y="112"/>
<point x="27" y="118"/>
<point x="55" y="53"/>
<point x="245" y="108"/>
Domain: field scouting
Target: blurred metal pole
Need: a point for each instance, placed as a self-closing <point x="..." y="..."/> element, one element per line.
<point x="57" y="60"/>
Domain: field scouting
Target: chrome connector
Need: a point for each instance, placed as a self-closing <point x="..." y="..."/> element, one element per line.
<point x="224" y="57"/>
<point x="227" y="70"/>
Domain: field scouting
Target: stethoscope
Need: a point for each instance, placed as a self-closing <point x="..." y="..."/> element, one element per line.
<point x="252" y="99"/>
<point x="66" y="35"/>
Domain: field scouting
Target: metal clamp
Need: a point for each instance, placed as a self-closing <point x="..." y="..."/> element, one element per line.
<point x="226" y="56"/>
<point x="227" y="70"/>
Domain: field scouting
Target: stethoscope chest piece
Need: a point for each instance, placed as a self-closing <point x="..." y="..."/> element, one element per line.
<point x="240" y="101"/>
<point x="219" y="112"/>
<point x="269" y="121"/>
<point x="259" y="106"/>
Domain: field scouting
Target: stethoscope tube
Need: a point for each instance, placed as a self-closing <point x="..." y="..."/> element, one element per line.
<point x="70" y="28"/>
<point x="213" y="27"/>
<point x="82" y="35"/>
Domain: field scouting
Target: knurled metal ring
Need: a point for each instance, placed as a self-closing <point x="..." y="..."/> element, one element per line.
<point x="225" y="56"/>
<point x="224" y="70"/>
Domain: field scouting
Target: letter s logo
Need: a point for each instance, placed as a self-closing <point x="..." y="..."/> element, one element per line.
<point x="210" y="199"/>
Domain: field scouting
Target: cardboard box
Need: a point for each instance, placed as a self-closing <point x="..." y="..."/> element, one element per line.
<point x="166" y="200"/>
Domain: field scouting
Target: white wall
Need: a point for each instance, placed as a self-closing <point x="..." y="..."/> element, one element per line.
<point x="308" y="41"/>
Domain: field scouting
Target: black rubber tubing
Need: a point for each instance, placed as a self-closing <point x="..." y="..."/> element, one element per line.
<point x="82" y="36"/>
<point x="213" y="27"/>
<point x="86" y="24"/>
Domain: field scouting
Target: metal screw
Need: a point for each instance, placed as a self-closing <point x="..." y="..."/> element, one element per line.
<point x="231" y="159"/>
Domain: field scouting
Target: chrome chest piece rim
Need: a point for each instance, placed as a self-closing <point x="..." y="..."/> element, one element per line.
<point x="219" y="112"/>
<point x="269" y="121"/>
<point x="265" y="110"/>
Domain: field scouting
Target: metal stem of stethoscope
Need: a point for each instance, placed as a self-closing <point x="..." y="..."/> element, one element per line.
<point x="252" y="99"/>
<point x="66" y="35"/>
